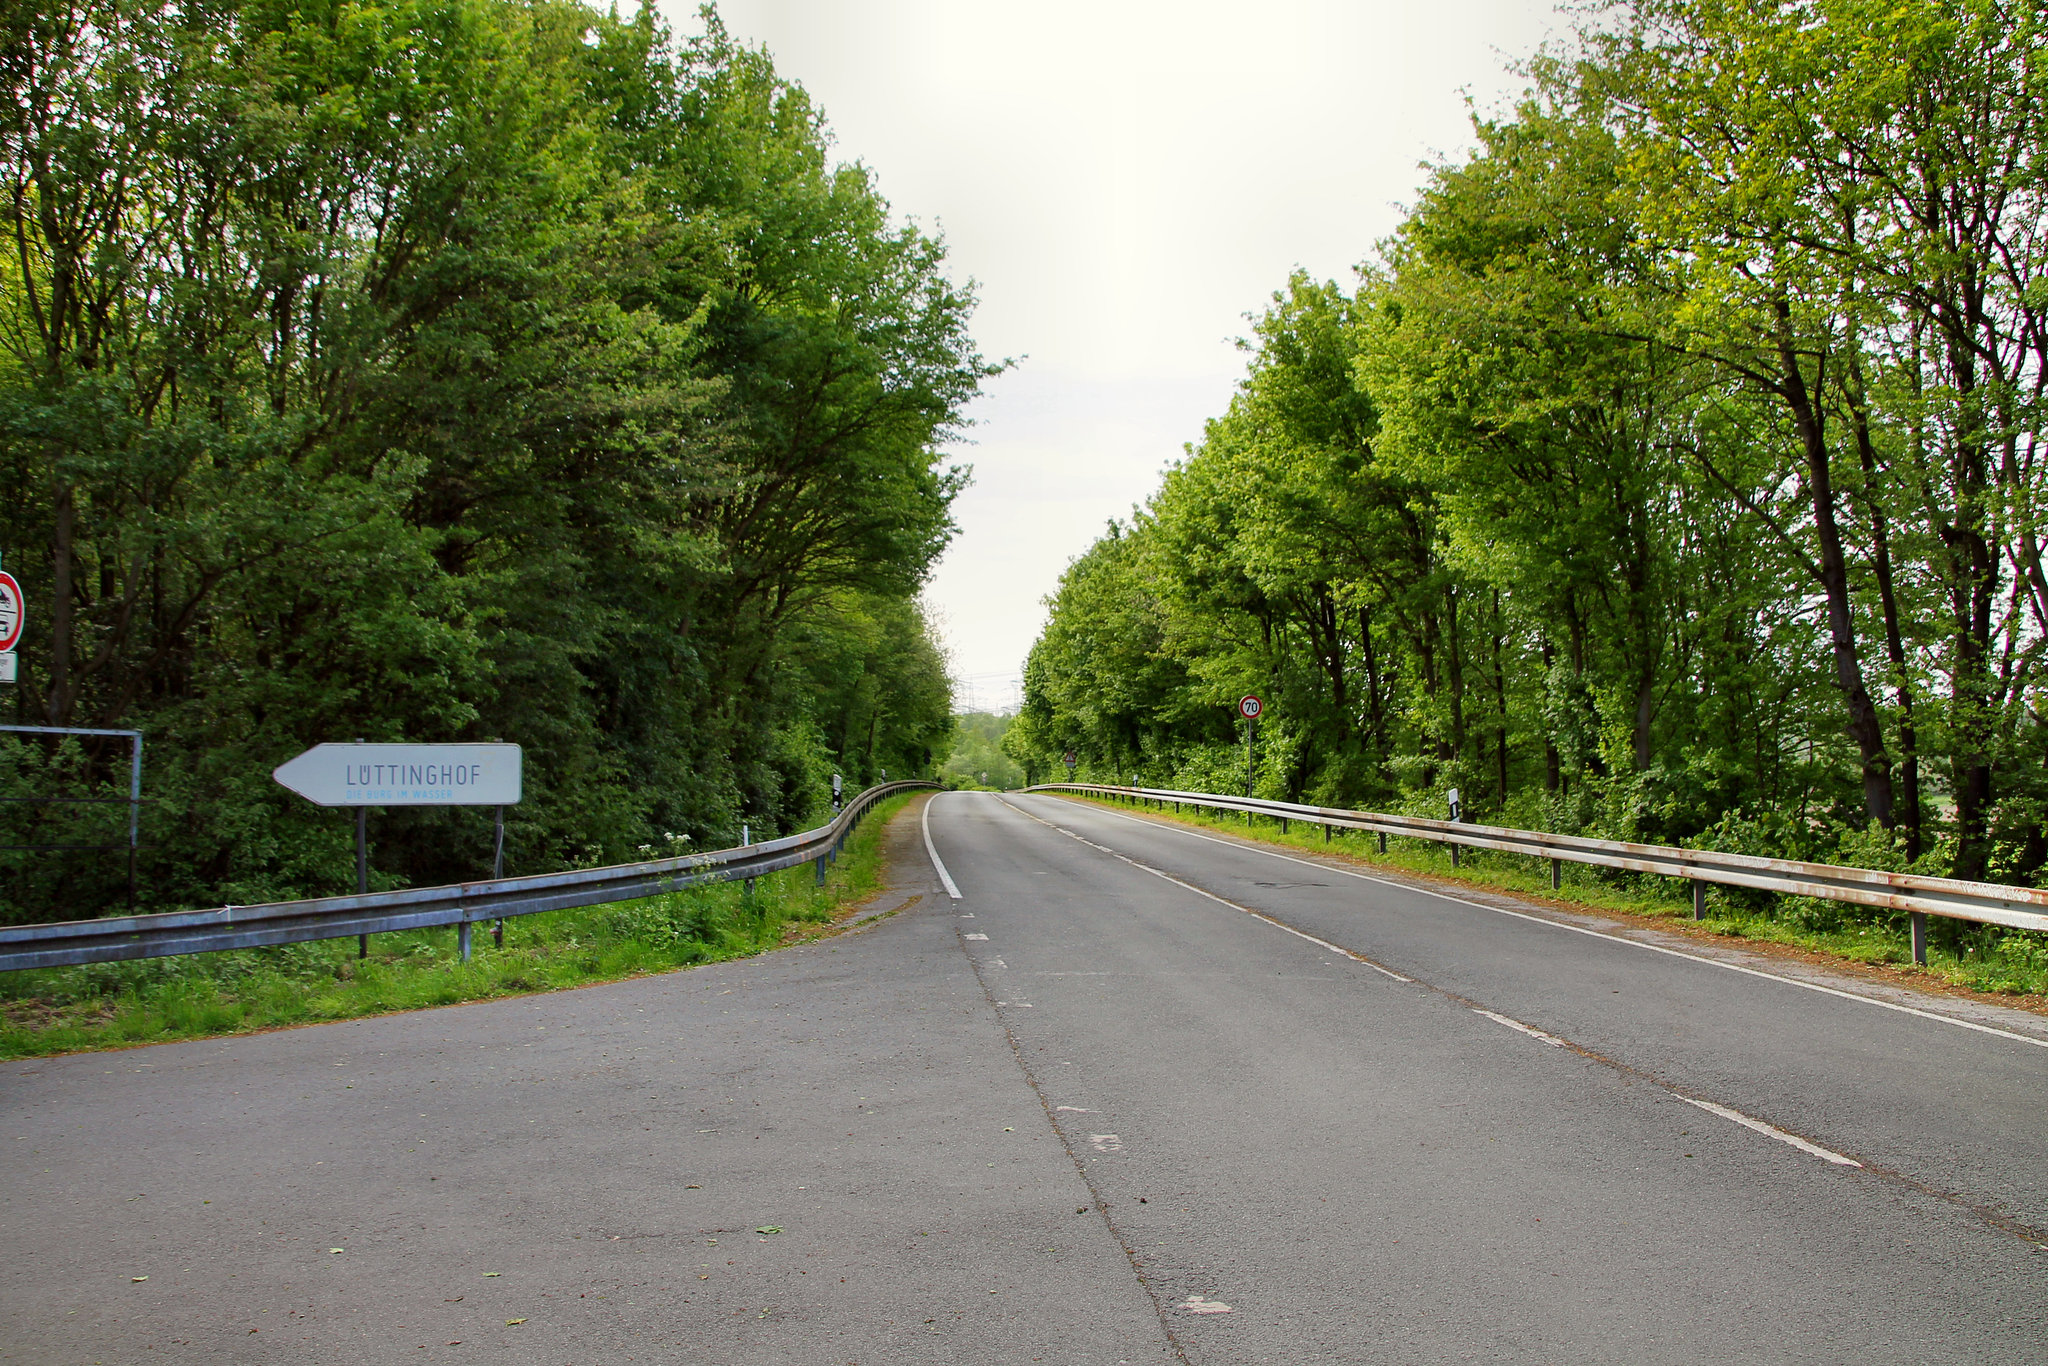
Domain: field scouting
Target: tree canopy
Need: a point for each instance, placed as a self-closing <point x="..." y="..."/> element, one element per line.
<point x="1673" y="472"/>
<point x="454" y="369"/>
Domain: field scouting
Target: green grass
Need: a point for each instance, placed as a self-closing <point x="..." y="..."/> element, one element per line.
<point x="1984" y="958"/>
<point x="155" y="1000"/>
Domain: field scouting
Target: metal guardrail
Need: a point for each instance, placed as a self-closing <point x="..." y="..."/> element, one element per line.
<point x="2023" y="908"/>
<point x="463" y="904"/>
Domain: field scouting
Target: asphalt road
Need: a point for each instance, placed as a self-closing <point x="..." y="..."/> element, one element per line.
<point x="1139" y="1094"/>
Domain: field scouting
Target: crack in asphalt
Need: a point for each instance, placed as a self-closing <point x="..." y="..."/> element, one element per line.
<point x="1080" y="1168"/>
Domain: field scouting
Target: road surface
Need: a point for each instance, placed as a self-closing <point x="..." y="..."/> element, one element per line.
<point x="1138" y="1094"/>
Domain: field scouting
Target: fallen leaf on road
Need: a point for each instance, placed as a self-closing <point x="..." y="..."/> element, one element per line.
<point x="138" y="1278"/>
<point x="510" y="1322"/>
<point x="334" y="1249"/>
<point x="769" y="1228"/>
<point x="494" y="1273"/>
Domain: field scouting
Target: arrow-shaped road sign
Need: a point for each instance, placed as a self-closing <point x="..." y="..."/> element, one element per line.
<point x="405" y="775"/>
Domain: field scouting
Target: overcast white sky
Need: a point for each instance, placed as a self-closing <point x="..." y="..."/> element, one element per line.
<point x="1125" y="179"/>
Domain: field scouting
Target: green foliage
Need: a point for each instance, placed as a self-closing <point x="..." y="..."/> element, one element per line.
<point x="1671" y="474"/>
<point x="978" y="758"/>
<point x="454" y="370"/>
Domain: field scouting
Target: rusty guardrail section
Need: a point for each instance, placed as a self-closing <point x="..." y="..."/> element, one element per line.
<point x="2023" y="908"/>
<point x="463" y="904"/>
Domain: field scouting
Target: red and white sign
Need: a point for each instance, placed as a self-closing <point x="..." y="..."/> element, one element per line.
<point x="1249" y="708"/>
<point x="12" y="613"/>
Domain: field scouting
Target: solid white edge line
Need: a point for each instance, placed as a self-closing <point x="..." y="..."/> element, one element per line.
<point x="1711" y="1107"/>
<point x="1936" y="1016"/>
<point x="1769" y="1130"/>
<point x="938" y="864"/>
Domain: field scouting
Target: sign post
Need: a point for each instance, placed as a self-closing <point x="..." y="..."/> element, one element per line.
<point x="363" y="776"/>
<point x="1250" y="708"/>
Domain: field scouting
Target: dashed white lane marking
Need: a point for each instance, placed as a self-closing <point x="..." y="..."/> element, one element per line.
<point x="938" y="864"/>
<point x="1935" y="1016"/>
<point x="1530" y="1030"/>
<point x="974" y="936"/>
<point x="1190" y="887"/>
<point x="1771" y="1130"/>
<point x="1711" y="1107"/>
<point x="1195" y="1304"/>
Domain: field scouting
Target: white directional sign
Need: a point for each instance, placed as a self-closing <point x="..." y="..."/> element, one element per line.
<point x="405" y="775"/>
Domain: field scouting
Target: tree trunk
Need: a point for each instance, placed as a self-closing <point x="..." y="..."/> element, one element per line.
<point x="63" y="610"/>
<point x="1907" y="810"/>
<point x="1864" y="726"/>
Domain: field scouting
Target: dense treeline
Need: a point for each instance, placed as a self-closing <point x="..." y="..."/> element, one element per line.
<point x="453" y="369"/>
<point x="1672" y="473"/>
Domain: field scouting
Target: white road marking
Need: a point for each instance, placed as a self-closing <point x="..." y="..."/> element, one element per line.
<point x="1530" y="1030"/>
<point x="1936" y="1016"/>
<point x="938" y="864"/>
<point x="1711" y="1107"/>
<point x="1105" y="1143"/>
<point x="1188" y="886"/>
<point x="974" y="936"/>
<point x="1195" y="1304"/>
<point x="1075" y="1109"/>
<point x="1771" y="1130"/>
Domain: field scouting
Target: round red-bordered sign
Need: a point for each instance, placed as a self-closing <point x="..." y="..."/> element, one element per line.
<point x="12" y="614"/>
<point x="1249" y="708"/>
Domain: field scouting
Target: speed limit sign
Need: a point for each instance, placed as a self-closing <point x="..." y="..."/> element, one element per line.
<point x="1250" y="707"/>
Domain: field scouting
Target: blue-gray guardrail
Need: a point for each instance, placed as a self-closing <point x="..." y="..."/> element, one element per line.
<point x="2024" y="908"/>
<point x="462" y="904"/>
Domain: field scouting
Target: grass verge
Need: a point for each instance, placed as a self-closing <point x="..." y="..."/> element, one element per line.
<point x="46" y="1011"/>
<point x="1961" y="957"/>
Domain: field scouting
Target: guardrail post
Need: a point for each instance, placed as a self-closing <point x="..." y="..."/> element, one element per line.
<point x="1383" y="841"/>
<point x="1326" y="832"/>
<point x="1454" y="854"/>
<point x="1699" y="899"/>
<point x="819" y="863"/>
<point x="1920" y="938"/>
<point x="462" y="940"/>
<point x="1283" y="825"/>
<point x="1556" y="874"/>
